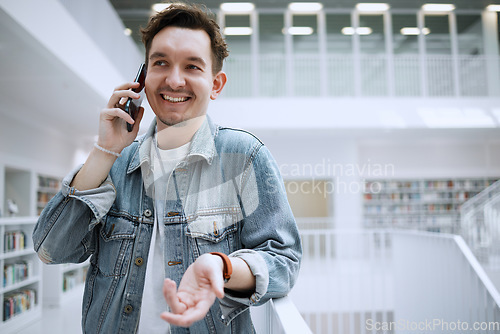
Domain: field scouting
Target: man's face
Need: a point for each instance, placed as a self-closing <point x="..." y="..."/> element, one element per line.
<point x="179" y="80"/>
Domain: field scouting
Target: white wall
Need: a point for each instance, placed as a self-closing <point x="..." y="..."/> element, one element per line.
<point x="29" y="146"/>
<point x="348" y="157"/>
<point x="454" y="155"/>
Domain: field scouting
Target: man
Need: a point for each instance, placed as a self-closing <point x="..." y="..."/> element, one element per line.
<point x="161" y="211"/>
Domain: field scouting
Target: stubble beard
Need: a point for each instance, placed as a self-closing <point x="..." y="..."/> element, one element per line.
<point x="170" y="123"/>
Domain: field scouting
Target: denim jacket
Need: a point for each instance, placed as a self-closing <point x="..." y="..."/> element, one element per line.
<point x="226" y="196"/>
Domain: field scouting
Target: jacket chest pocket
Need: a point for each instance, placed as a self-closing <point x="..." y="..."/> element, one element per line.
<point x="116" y="241"/>
<point x="213" y="233"/>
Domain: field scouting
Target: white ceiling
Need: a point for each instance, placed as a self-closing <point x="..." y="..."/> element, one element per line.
<point x="36" y="87"/>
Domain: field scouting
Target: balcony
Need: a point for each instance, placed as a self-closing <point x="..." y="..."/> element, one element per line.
<point x="362" y="76"/>
<point x="388" y="281"/>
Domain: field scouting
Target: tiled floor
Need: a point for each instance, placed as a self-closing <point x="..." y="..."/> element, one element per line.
<point x="64" y="319"/>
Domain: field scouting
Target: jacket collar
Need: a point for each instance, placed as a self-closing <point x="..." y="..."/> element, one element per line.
<point x="202" y="145"/>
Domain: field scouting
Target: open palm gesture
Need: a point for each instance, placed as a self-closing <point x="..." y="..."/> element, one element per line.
<point x="201" y="284"/>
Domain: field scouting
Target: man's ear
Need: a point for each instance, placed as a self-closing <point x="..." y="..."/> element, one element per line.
<point x="219" y="82"/>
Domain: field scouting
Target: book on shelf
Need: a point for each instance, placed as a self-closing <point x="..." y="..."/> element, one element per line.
<point x="420" y="203"/>
<point x="17" y="272"/>
<point x="14" y="241"/>
<point x="48" y="182"/>
<point x="18" y="302"/>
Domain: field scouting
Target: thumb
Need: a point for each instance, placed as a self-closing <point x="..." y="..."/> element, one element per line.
<point x="171" y="297"/>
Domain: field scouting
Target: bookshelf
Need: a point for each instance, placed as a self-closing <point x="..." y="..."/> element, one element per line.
<point x="31" y="191"/>
<point x="60" y="281"/>
<point x="20" y="288"/>
<point x="48" y="186"/>
<point x="423" y="204"/>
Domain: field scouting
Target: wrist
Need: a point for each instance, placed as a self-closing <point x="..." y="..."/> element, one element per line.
<point x="107" y="151"/>
<point x="227" y="268"/>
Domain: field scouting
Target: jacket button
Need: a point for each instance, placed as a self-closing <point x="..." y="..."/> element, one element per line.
<point x="139" y="261"/>
<point x="128" y="309"/>
<point x="174" y="263"/>
<point x="148" y="213"/>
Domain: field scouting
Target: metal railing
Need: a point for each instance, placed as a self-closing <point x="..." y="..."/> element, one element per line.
<point x="362" y="76"/>
<point x="287" y="318"/>
<point x="279" y="316"/>
<point x="479" y="225"/>
<point x="366" y="280"/>
<point x="439" y="281"/>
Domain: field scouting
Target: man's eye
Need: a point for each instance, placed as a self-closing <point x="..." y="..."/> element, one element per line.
<point x="160" y="63"/>
<point x="193" y="67"/>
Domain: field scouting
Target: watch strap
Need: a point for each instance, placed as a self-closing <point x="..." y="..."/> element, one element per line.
<point x="227" y="271"/>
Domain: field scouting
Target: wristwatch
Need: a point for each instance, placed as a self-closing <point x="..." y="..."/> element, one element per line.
<point x="227" y="271"/>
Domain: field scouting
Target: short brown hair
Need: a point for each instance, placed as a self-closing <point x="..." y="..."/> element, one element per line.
<point x="189" y="16"/>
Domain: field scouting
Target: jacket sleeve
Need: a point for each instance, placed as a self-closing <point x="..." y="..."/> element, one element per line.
<point x="269" y="235"/>
<point x="65" y="230"/>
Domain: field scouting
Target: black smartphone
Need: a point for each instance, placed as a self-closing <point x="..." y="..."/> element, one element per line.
<point x="132" y="105"/>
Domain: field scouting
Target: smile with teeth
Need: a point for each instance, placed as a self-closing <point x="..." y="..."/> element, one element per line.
<point x="174" y="99"/>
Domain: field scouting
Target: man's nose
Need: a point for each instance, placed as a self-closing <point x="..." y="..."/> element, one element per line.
<point x="175" y="78"/>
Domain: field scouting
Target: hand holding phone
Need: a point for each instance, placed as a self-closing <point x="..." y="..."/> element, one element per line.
<point x="132" y="105"/>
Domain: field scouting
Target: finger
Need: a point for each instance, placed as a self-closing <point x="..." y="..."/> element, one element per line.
<point x="127" y="85"/>
<point x="121" y="95"/>
<point x="170" y="295"/>
<point x="113" y="113"/>
<point x="191" y="315"/>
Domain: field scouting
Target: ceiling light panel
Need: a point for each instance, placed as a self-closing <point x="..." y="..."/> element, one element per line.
<point x="493" y="8"/>
<point x="237" y="31"/>
<point x="438" y="7"/>
<point x="299" y="31"/>
<point x="158" y="7"/>
<point x="305" y="7"/>
<point x="414" y="31"/>
<point x="237" y="7"/>
<point x="372" y="7"/>
<point x="359" y="31"/>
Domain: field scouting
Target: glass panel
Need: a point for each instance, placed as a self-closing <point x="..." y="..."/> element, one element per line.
<point x="470" y="34"/>
<point x="472" y="66"/>
<point x="272" y="51"/>
<point x="337" y="42"/>
<point x="404" y="44"/>
<point x="238" y="44"/>
<point x="373" y="43"/>
<point x="308" y="43"/>
<point x="373" y="60"/>
<point x="406" y="60"/>
<point x="306" y="65"/>
<point x="339" y="49"/>
<point x="439" y="62"/>
<point x="271" y="38"/>
<point x="438" y="41"/>
<point x="238" y="65"/>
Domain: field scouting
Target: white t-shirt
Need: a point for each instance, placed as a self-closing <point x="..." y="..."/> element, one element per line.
<point x="153" y="302"/>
